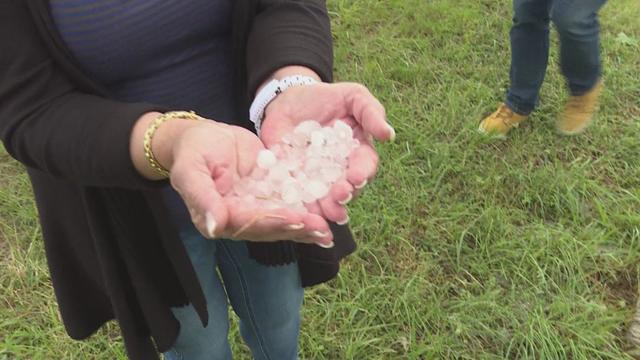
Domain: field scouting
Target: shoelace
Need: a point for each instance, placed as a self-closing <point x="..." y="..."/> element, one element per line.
<point x="505" y="114"/>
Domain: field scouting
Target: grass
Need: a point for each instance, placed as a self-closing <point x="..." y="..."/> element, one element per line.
<point x="468" y="249"/>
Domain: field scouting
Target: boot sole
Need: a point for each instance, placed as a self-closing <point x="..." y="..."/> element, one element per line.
<point x="579" y="130"/>
<point x="494" y="135"/>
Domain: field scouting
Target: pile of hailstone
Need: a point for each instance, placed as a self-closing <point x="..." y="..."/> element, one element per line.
<point x="300" y="169"/>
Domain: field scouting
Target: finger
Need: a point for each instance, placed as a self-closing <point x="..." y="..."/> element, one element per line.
<point x="195" y="216"/>
<point x="247" y="146"/>
<point x="361" y="135"/>
<point x="321" y="233"/>
<point x="349" y="120"/>
<point x="272" y="134"/>
<point x="313" y="229"/>
<point x="224" y="178"/>
<point x="247" y="220"/>
<point x="363" y="164"/>
<point x="334" y="211"/>
<point x="314" y="208"/>
<point x="317" y="231"/>
<point x="324" y="237"/>
<point x="342" y="192"/>
<point x="201" y="196"/>
<point x="333" y="205"/>
<point x="367" y="111"/>
<point x="281" y="224"/>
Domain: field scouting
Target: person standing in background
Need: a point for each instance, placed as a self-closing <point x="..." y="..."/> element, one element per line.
<point x="579" y="30"/>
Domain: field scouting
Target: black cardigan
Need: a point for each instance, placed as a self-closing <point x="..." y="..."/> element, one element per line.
<point x="110" y="247"/>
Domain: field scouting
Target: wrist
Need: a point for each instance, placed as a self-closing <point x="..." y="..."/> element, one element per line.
<point x="289" y="71"/>
<point x="166" y="136"/>
<point x="274" y="87"/>
<point x="160" y="143"/>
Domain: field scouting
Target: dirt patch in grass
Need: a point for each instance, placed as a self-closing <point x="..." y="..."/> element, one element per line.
<point x="620" y="285"/>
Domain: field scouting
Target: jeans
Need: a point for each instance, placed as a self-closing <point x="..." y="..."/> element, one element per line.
<point x="577" y="24"/>
<point x="266" y="299"/>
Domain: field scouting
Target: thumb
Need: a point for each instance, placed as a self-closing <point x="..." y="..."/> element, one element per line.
<point x="274" y="127"/>
<point x="216" y="213"/>
<point x="223" y="179"/>
<point x="367" y="111"/>
<point x="205" y="203"/>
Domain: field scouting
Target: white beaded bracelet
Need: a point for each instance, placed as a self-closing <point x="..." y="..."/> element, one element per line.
<point x="269" y="92"/>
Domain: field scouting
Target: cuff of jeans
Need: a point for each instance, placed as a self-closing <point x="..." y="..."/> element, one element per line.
<point x="517" y="109"/>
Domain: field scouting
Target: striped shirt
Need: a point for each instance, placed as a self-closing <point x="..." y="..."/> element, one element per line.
<point x="174" y="53"/>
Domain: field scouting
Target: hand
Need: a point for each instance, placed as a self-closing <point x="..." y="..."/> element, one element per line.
<point x="322" y="102"/>
<point x="208" y="157"/>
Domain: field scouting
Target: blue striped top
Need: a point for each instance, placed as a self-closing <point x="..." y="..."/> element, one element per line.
<point x="173" y="53"/>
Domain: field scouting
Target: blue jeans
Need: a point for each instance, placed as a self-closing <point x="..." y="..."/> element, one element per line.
<point x="266" y="299"/>
<point x="578" y="29"/>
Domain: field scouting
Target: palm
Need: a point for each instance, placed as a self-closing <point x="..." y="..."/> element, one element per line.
<point x="211" y="159"/>
<point x="298" y="104"/>
<point x="327" y="103"/>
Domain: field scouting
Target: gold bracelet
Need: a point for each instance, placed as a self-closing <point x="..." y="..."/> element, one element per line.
<point x="151" y="130"/>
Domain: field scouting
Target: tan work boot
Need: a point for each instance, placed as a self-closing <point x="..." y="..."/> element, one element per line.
<point x="633" y="333"/>
<point x="579" y="111"/>
<point x="501" y="121"/>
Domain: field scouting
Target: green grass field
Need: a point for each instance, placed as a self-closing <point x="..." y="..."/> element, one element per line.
<point x="469" y="249"/>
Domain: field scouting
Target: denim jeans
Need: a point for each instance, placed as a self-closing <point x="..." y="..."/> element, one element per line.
<point x="266" y="299"/>
<point x="577" y="24"/>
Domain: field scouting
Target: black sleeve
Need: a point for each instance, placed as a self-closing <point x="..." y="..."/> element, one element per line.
<point x="289" y="32"/>
<point x="48" y="124"/>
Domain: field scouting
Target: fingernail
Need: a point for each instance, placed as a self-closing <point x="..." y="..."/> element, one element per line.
<point x="346" y="220"/>
<point x="346" y="201"/>
<point x="319" y="234"/>
<point x="326" y="246"/>
<point x="364" y="183"/>
<point x="392" y="137"/>
<point x="211" y="225"/>
<point x="295" y="226"/>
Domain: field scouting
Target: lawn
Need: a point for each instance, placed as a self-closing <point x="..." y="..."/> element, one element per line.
<point x="527" y="248"/>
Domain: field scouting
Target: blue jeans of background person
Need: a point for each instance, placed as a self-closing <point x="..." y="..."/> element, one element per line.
<point x="267" y="300"/>
<point x="577" y="24"/>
